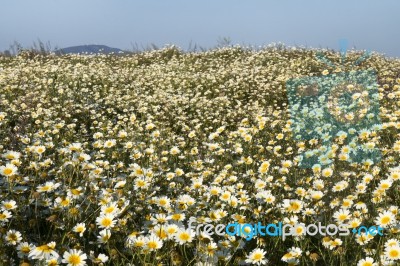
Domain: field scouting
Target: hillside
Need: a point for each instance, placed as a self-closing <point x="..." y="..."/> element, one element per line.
<point x="122" y="157"/>
<point x="88" y="49"/>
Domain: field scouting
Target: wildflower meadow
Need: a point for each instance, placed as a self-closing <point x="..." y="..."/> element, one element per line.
<point x="105" y="159"/>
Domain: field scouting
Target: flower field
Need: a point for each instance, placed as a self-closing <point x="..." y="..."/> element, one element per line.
<point x="104" y="159"/>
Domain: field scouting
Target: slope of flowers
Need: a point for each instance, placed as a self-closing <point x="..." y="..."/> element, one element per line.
<point x="104" y="159"/>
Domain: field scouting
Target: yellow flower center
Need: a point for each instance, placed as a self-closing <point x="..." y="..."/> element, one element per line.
<point x="176" y="217"/>
<point x="7" y="171"/>
<point x="258" y="256"/>
<point x="394" y="253"/>
<point x="44" y="248"/>
<point x="171" y="231"/>
<point x="75" y="191"/>
<point x="185" y="236"/>
<point x="74" y="259"/>
<point x="385" y="186"/>
<point x="294" y="206"/>
<point x="385" y="220"/>
<point x="25" y="249"/>
<point x="139" y="244"/>
<point x="106" y="222"/>
<point x="13" y="237"/>
<point x="109" y="209"/>
<point x="152" y="245"/>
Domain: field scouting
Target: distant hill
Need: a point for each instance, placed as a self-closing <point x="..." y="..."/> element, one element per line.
<point x="90" y="49"/>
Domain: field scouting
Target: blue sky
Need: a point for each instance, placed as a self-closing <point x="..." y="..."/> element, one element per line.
<point x="366" y="24"/>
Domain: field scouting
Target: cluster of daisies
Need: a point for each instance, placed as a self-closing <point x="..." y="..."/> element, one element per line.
<point x="106" y="160"/>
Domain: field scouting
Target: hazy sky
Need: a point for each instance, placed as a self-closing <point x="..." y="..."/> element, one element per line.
<point x="366" y="24"/>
